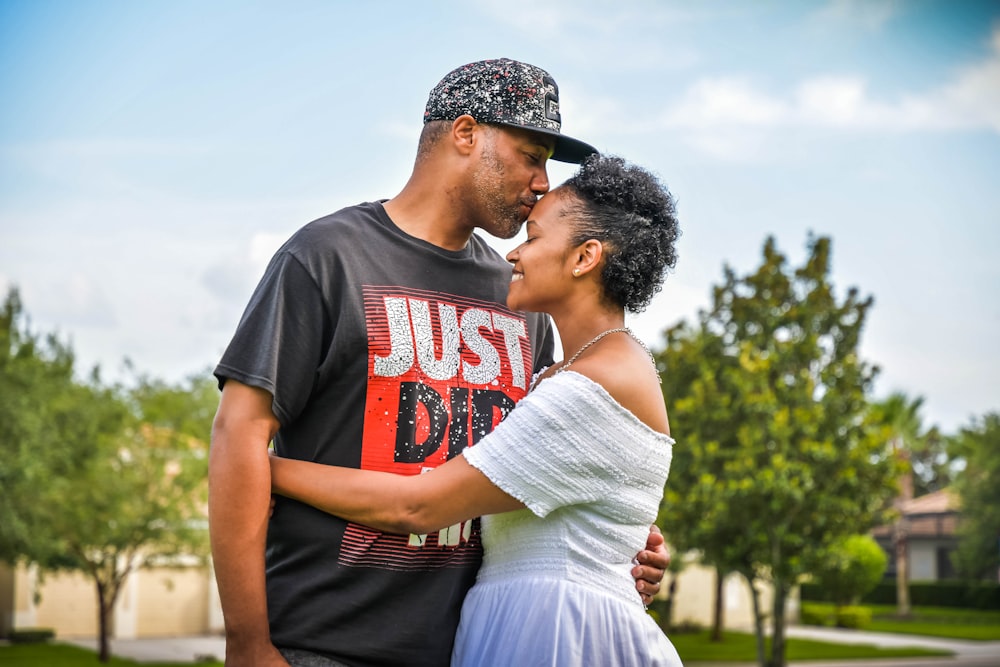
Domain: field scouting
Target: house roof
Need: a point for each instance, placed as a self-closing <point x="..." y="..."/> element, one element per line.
<point x="939" y="502"/>
<point x="931" y="515"/>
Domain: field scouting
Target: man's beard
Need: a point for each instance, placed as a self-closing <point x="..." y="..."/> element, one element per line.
<point x="505" y="218"/>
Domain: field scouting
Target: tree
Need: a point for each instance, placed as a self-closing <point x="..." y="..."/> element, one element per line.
<point x="854" y="566"/>
<point x="978" y="489"/>
<point x="137" y="502"/>
<point x="696" y="369"/>
<point x="50" y="425"/>
<point x="900" y="416"/>
<point x="107" y="479"/>
<point x="768" y="397"/>
<point x="933" y="465"/>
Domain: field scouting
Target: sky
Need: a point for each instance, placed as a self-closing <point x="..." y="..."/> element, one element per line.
<point x="153" y="155"/>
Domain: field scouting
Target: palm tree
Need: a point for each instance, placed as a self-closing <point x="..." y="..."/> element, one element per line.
<point x="900" y="415"/>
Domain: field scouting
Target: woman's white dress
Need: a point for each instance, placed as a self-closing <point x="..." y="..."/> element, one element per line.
<point x="555" y="587"/>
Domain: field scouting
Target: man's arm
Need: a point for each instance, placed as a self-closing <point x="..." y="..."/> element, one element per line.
<point x="653" y="563"/>
<point x="239" y="496"/>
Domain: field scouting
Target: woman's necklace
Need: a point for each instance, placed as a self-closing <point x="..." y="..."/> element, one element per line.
<point x="565" y="364"/>
<point x="592" y="341"/>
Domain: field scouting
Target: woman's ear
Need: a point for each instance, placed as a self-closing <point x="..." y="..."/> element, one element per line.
<point x="587" y="257"/>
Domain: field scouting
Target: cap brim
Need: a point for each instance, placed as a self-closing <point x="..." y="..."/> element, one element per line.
<point x="572" y="150"/>
<point x="567" y="149"/>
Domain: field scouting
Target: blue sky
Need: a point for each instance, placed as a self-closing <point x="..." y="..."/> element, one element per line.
<point x="154" y="154"/>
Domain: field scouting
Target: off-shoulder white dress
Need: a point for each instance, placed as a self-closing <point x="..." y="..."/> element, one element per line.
<point x="555" y="587"/>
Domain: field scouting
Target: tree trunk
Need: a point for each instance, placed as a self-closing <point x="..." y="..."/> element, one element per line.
<point x="103" y="622"/>
<point x="109" y="585"/>
<point x="758" y="621"/>
<point x="778" y="624"/>
<point x="717" y="619"/>
<point x="668" y="608"/>
<point x="902" y="575"/>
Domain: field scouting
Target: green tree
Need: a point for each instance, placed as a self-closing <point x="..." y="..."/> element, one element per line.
<point x="99" y="480"/>
<point x="854" y="566"/>
<point x="978" y="489"/>
<point x="50" y="426"/>
<point x="768" y="398"/>
<point x="933" y="465"/>
<point x="698" y="392"/>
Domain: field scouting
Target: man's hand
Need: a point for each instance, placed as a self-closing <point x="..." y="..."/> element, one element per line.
<point x="653" y="562"/>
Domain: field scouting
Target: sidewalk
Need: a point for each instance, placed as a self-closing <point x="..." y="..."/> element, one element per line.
<point x="162" y="649"/>
<point x="967" y="653"/>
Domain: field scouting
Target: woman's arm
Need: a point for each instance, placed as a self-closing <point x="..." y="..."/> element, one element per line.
<point x="452" y="492"/>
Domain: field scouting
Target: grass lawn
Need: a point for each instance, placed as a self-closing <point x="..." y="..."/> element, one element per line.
<point x="938" y="622"/>
<point x="692" y="647"/>
<point x="736" y="646"/>
<point x="931" y="621"/>
<point x="64" y="655"/>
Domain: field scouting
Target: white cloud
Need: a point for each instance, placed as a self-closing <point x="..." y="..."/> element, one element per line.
<point x="869" y="15"/>
<point x="233" y="278"/>
<point x="970" y="101"/>
<point x="725" y="101"/>
<point x="74" y="301"/>
<point x="600" y="26"/>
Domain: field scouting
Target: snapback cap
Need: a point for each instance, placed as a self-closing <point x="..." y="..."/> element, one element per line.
<point x="506" y="92"/>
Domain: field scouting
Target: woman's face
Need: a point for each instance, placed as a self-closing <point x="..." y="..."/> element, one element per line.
<point x="543" y="269"/>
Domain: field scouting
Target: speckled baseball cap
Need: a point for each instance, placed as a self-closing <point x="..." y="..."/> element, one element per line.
<point x="506" y="92"/>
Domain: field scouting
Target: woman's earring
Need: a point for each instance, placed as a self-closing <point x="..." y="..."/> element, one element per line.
<point x="576" y="272"/>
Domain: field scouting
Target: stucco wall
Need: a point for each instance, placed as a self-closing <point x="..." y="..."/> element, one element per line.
<point x="153" y="603"/>
<point x="695" y="598"/>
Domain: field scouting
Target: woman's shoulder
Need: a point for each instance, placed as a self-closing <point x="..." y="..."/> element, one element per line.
<point x="630" y="378"/>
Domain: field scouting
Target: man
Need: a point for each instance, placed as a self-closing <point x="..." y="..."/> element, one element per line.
<point x="378" y="338"/>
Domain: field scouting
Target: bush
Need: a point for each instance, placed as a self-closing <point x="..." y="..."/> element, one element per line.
<point x="686" y="628"/>
<point x="31" y="635"/>
<point x="852" y="567"/>
<point x="980" y="595"/>
<point x="854" y="617"/>
<point x="811" y="614"/>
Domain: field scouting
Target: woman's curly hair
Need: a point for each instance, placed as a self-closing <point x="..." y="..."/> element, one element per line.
<point x="632" y="214"/>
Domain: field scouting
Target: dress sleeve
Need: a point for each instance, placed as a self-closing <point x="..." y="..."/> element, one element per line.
<point x="558" y="447"/>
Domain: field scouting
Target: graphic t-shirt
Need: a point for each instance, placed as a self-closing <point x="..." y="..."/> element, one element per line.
<point x="388" y="353"/>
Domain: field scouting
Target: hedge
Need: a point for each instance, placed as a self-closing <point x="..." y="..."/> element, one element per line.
<point x="981" y="595"/>
<point x="30" y="635"/>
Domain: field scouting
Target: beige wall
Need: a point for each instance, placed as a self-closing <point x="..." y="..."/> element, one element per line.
<point x="172" y="602"/>
<point x="165" y="602"/>
<point x="68" y="603"/>
<point x="158" y="602"/>
<point x="695" y="598"/>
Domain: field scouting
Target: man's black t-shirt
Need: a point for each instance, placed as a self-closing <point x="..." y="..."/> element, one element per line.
<point x="383" y="352"/>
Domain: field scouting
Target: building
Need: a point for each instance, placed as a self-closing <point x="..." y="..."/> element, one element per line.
<point x="155" y="602"/>
<point x="928" y="524"/>
<point x="184" y="601"/>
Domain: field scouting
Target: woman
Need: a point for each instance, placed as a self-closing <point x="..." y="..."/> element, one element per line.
<point x="568" y="484"/>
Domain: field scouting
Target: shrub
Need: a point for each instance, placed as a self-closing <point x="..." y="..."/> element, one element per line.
<point x="984" y="596"/>
<point x="31" y="635"/>
<point x="686" y="628"/>
<point x="854" y="617"/>
<point x="853" y="567"/>
<point x="811" y="614"/>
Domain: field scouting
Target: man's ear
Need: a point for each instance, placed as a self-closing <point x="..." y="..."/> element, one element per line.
<point x="464" y="133"/>
<point x="587" y="257"/>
